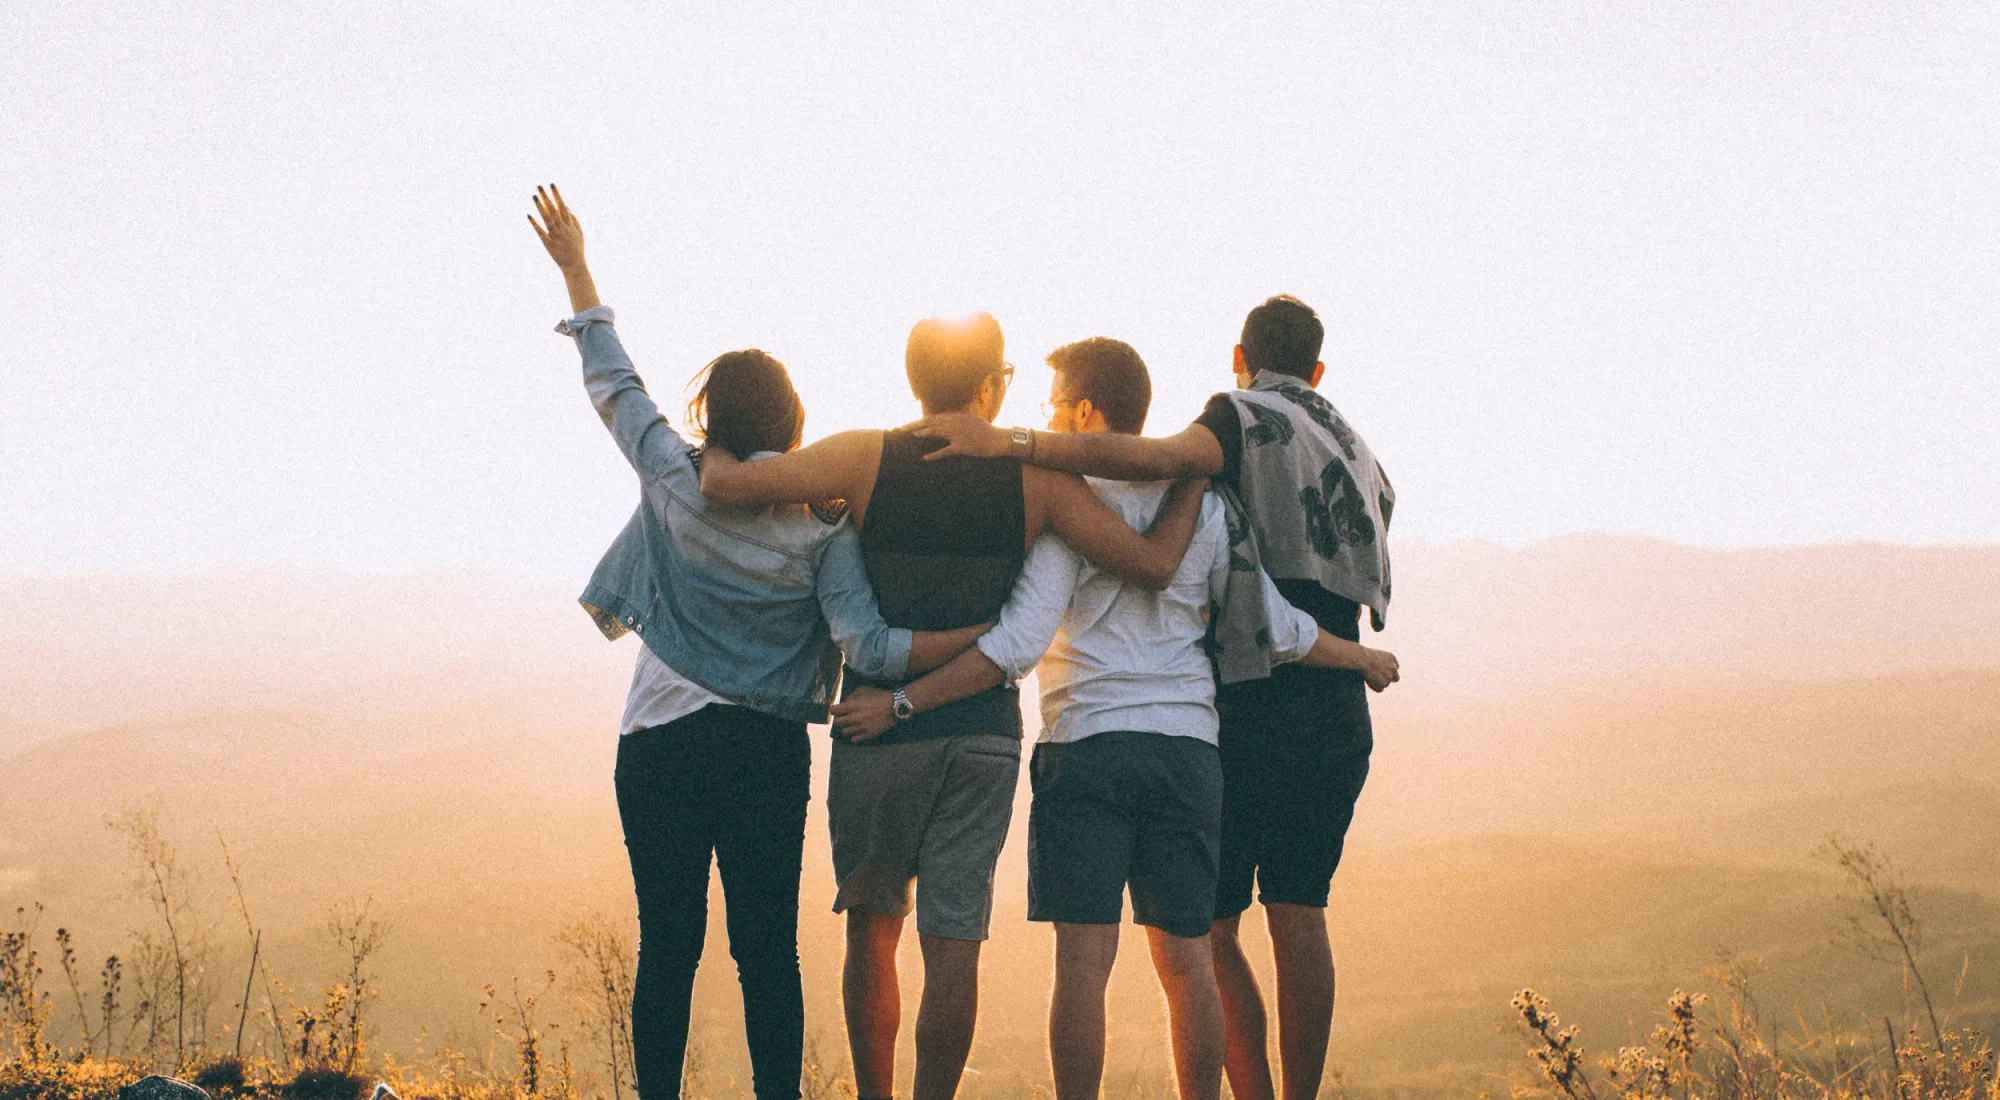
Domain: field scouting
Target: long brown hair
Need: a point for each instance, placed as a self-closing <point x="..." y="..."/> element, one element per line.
<point x="746" y="404"/>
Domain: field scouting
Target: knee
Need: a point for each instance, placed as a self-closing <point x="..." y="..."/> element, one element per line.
<point x="873" y="938"/>
<point x="1291" y="923"/>
<point x="1224" y="936"/>
<point x="764" y="949"/>
<point x="674" y="958"/>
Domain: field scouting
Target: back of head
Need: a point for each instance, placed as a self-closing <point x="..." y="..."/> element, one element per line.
<point x="746" y="404"/>
<point x="1282" y="335"/>
<point x="1111" y="376"/>
<point x="947" y="360"/>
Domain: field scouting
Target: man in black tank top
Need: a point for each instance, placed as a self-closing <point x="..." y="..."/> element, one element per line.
<point x="930" y="801"/>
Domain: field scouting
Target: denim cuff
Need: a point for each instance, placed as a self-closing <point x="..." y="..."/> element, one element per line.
<point x="574" y="325"/>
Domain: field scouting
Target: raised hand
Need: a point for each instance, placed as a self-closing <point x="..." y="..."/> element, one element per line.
<point x="558" y="229"/>
<point x="865" y="714"/>
<point x="964" y="434"/>
<point x="563" y="237"/>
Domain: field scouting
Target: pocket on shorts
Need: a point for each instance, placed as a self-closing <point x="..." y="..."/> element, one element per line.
<point x="995" y="746"/>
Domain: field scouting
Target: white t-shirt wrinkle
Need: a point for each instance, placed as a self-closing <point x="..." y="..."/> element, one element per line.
<point x="1119" y="657"/>
<point x="659" y="694"/>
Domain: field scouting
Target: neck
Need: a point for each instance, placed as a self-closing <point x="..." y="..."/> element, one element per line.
<point x="971" y="409"/>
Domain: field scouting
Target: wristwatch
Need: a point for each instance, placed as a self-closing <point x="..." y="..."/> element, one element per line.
<point x="900" y="705"/>
<point x="1022" y="441"/>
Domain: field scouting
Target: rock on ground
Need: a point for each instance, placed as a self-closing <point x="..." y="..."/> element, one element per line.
<point x="157" y="1087"/>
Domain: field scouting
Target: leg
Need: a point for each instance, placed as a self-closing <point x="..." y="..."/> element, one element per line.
<point x="1243" y="1022"/>
<point x="1325" y="756"/>
<point x="1302" y="743"/>
<point x="1175" y="874"/>
<point x="668" y="840"/>
<point x="1305" y="994"/>
<point x="947" y="1016"/>
<point x="1084" y="954"/>
<point x="877" y="797"/>
<point x="873" y="1000"/>
<point x="758" y="852"/>
<point x="1187" y="975"/>
<point x="961" y="843"/>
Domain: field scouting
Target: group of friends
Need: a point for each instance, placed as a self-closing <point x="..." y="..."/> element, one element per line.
<point x="1192" y="604"/>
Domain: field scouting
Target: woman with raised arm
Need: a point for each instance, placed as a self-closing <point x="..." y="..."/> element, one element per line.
<point x="739" y="608"/>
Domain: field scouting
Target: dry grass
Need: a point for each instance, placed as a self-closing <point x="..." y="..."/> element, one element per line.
<point x="66" y="1034"/>
<point x="1734" y="1052"/>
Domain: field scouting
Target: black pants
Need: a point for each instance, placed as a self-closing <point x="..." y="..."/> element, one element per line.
<point x="733" y="782"/>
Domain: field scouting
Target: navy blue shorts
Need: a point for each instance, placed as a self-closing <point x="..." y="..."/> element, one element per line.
<point x="1125" y="808"/>
<point x="1294" y="758"/>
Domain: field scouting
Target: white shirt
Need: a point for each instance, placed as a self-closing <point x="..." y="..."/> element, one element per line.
<point x="1124" y="658"/>
<point x="659" y="694"/>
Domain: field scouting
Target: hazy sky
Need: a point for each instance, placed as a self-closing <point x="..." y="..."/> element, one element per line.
<point x="1722" y="272"/>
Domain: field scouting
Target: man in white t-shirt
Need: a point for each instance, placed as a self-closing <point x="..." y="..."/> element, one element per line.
<point x="1126" y="777"/>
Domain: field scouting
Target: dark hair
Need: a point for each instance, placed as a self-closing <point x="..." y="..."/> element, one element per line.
<point x="746" y="404"/>
<point x="1111" y="375"/>
<point x="947" y="360"/>
<point x="1283" y="335"/>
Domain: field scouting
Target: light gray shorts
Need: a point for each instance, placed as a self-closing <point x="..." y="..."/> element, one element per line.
<point x="933" y="811"/>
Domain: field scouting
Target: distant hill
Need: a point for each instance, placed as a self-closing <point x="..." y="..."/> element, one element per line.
<point x="1470" y="620"/>
<point x="1476" y="619"/>
<point x="77" y="652"/>
<point x="1670" y="750"/>
<point x="1943" y="831"/>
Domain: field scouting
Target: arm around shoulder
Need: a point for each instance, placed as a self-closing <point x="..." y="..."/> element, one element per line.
<point x="1092" y="529"/>
<point x="1192" y="452"/>
<point x="828" y="470"/>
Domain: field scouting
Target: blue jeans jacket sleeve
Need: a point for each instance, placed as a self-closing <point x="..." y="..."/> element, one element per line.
<point x="649" y="443"/>
<point x="873" y="647"/>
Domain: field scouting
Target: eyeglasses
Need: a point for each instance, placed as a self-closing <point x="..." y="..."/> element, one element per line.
<point x="1049" y="407"/>
<point x="1006" y="373"/>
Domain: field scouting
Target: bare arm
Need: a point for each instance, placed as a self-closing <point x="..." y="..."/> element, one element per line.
<point x="614" y="386"/>
<point x="865" y="713"/>
<point x="931" y="648"/>
<point x="1067" y="507"/>
<point x="1377" y="666"/>
<point x="838" y="467"/>
<point x="1193" y="452"/>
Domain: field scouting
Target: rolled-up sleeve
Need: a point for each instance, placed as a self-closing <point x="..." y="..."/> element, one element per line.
<point x="873" y="647"/>
<point x="649" y="443"/>
<point x="1293" y="631"/>
<point x="1034" y="610"/>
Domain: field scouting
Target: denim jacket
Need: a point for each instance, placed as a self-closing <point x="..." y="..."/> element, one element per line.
<point x="745" y="600"/>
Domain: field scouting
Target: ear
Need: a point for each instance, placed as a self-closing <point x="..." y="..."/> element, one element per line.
<point x="1237" y="363"/>
<point x="990" y="396"/>
<point x="1319" y="371"/>
<point x="1083" y="410"/>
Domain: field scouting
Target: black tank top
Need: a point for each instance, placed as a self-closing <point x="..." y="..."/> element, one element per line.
<point x="944" y="542"/>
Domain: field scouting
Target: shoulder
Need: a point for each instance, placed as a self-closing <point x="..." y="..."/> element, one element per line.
<point x="863" y="443"/>
<point x="1220" y="408"/>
